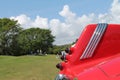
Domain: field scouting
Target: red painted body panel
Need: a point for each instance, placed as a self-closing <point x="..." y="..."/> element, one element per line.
<point x="105" y="62"/>
<point x="108" y="70"/>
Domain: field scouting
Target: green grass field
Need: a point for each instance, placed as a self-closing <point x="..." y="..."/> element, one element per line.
<point x="28" y="67"/>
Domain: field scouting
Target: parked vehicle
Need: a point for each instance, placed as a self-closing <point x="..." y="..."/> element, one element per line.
<point x="95" y="55"/>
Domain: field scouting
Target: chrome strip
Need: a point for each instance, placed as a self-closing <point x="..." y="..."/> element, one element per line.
<point x="99" y="31"/>
<point x="95" y="40"/>
<point x="90" y="44"/>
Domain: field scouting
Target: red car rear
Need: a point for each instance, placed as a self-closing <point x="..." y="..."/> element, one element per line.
<point x="95" y="56"/>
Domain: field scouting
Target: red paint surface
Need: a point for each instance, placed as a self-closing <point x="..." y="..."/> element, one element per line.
<point x="103" y="65"/>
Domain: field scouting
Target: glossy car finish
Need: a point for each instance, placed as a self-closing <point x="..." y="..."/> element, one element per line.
<point x="103" y="64"/>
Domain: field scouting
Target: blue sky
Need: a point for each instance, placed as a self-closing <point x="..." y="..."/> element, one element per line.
<point x="65" y="18"/>
<point x="51" y="8"/>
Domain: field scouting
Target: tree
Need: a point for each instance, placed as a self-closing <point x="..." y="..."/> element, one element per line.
<point x="35" y="40"/>
<point x="8" y="31"/>
<point x="57" y="48"/>
<point x="16" y="41"/>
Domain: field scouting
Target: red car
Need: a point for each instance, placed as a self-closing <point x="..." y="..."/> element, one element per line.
<point x="95" y="55"/>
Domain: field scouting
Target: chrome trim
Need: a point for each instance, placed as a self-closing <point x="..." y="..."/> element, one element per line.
<point x="98" y="33"/>
<point x="64" y="55"/>
<point x="61" y="77"/>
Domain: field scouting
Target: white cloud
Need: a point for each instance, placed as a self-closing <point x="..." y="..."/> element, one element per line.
<point x="66" y="13"/>
<point x="115" y="11"/>
<point x="23" y="20"/>
<point x="27" y="22"/>
<point x="70" y="29"/>
<point x="40" y="22"/>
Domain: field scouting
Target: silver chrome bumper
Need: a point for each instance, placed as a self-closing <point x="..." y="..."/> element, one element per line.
<point x="61" y="77"/>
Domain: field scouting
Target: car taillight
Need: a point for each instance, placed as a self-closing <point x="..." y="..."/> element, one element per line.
<point x="59" y="66"/>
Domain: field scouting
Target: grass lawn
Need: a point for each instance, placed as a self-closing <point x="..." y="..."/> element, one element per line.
<point x="28" y="67"/>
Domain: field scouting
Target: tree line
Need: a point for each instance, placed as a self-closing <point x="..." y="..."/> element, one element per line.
<point x="16" y="41"/>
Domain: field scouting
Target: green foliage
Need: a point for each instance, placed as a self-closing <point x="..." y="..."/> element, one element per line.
<point x="57" y="48"/>
<point x="34" y="40"/>
<point x="16" y="41"/>
<point x="8" y="31"/>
